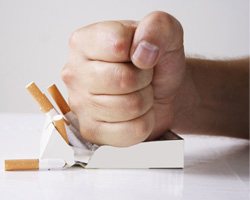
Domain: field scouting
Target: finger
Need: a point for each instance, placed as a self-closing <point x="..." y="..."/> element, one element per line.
<point x="107" y="41"/>
<point x="117" y="108"/>
<point x="106" y="78"/>
<point x="157" y="34"/>
<point x="121" y="133"/>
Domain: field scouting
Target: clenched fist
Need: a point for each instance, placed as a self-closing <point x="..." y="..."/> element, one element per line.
<point x="122" y="78"/>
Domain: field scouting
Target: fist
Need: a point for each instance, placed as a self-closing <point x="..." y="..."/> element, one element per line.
<point x="122" y="78"/>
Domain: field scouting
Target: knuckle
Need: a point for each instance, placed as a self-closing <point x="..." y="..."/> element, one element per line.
<point x="67" y="75"/>
<point x="118" y="44"/>
<point x="136" y="103"/>
<point x="125" y="78"/>
<point x="162" y="17"/>
<point x="74" y="39"/>
<point x="143" y="128"/>
<point x="141" y="101"/>
<point x="120" y="40"/>
<point x="167" y="21"/>
<point x="75" y="103"/>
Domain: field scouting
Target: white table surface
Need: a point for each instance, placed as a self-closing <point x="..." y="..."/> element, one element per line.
<point x="215" y="168"/>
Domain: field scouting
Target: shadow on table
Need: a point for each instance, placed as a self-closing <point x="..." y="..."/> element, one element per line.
<point x="224" y="163"/>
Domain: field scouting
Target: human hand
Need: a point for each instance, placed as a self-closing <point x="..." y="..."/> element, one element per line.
<point x="122" y="78"/>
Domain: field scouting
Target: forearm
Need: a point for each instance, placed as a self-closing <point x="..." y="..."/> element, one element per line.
<point x="214" y="98"/>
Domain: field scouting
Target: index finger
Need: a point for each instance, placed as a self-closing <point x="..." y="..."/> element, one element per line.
<point x="108" y="41"/>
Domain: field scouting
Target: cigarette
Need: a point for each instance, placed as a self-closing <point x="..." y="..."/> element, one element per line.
<point x="41" y="99"/>
<point x="64" y="107"/>
<point x="58" y="98"/>
<point x="72" y="134"/>
<point x="44" y="103"/>
<point x="58" y="122"/>
<point x="72" y="128"/>
<point x="33" y="164"/>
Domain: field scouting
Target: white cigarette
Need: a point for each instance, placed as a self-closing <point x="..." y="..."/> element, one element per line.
<point x="34" y="164"/>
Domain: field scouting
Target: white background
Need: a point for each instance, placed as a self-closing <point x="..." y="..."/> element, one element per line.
<point x="34" y="36"/>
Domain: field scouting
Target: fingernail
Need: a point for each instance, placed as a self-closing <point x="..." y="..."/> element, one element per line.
<point x="145" y="54"/>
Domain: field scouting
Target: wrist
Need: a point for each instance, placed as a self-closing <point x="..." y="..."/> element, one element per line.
<point x="187" y="102"/>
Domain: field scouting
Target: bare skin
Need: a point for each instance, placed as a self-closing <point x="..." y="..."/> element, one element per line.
<point x="129" y="81"/>
<point x="218" y="102"/>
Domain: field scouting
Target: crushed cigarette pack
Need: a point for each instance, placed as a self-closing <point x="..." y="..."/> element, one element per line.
<point x="61" y="145"/>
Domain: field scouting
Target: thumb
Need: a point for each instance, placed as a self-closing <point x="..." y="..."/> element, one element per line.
<point x="157" y="34"/>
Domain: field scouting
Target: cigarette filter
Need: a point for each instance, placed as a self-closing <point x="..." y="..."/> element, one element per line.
<point x="58" y="98"/>
<point x="33" y="164"/>
<point x="58" y="122"/>
<point x="22" y="164"/>
<point x="41" y="99"/>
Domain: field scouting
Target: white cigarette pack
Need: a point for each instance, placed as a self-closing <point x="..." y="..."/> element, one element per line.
<point x="167" y="152"/>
